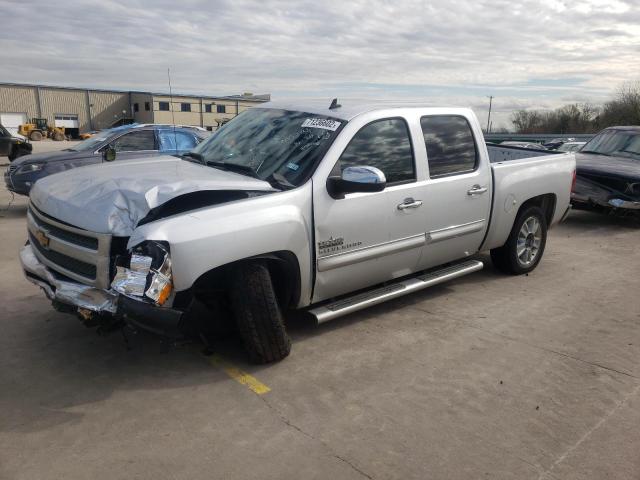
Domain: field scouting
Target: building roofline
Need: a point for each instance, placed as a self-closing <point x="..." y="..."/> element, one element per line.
<point x="254" y="98"/>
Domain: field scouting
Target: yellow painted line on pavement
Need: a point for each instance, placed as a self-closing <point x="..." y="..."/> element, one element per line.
<point x="251" y="382"/>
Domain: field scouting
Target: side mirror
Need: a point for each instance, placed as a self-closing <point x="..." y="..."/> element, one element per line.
<point x="356" y="179"/>
<point x="109" y="154"/>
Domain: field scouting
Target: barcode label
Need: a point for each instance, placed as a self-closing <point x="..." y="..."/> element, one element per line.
<point x="321" y="123"/>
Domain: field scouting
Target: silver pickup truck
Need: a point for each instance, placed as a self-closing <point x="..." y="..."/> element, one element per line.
<point x="326" y="208"/>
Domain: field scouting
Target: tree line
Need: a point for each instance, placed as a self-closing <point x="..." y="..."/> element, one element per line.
<point x="622" y="109"/>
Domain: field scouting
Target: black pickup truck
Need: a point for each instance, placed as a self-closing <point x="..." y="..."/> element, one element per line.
<point x="608" y="172"/>
<point x="13" y="146"/>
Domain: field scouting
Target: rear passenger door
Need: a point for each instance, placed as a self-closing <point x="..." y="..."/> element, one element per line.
<point x="367" y="238"/>
<point x="458" y="195"/>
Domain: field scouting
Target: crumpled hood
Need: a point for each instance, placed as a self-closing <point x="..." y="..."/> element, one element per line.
<point x="114" y="197"/>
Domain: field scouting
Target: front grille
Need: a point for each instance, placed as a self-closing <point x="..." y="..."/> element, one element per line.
<point x="64" y="261"/>
<point x="12" y="168"/>
<point x="619" y="186"/>
<point x="66" y="235"/>
<point x="79" y="254"/>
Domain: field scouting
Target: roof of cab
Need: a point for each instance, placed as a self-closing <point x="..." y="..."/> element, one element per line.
<point x="346" y="111"/>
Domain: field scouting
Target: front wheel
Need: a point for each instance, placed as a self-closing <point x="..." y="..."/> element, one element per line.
<point x="524" y="248"/>
<point x="17" y="152"/>
<point x="258" y="316"/>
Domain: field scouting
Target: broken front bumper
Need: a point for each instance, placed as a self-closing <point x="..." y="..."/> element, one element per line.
<point x="160" y="320"/>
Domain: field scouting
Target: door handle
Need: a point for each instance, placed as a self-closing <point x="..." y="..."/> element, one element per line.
<point x="477" y="190"/>
<point x="409" y="203"/>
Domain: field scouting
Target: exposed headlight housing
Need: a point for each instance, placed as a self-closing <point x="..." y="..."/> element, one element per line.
<point x="30" y="167"/>
<point x="148" y="274"/>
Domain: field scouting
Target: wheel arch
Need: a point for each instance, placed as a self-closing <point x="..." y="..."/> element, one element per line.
<point x="546" y="202"/>
<point x="284" y="269"/>
<point x="503" y="219"/>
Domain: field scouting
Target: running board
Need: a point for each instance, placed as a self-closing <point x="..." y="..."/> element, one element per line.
<point x="357" y="302"/>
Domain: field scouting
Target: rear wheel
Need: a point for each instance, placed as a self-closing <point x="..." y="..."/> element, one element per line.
<point x="524" y="248"/>
<point x="258" y="316"/>
<point x="35" y="136"/>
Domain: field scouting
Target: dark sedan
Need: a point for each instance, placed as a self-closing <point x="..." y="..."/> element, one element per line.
<point x="608" y="172"/>
<point x="129" y="141"/>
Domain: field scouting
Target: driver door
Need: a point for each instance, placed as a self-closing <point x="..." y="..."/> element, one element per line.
<point x="367" y="238"/>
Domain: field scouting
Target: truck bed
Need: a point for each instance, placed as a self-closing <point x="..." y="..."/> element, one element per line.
<point x="504" y="153"/>
<point x="520" y="174"/>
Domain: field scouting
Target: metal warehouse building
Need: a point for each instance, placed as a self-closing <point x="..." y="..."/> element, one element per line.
<point x="81" y="110"/>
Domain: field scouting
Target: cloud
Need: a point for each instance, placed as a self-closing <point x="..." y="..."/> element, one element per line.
<point x="527" y="53"/>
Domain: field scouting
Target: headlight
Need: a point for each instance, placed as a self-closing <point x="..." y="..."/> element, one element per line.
<point x="30" y="167"/>
<point x="148" y="274"/>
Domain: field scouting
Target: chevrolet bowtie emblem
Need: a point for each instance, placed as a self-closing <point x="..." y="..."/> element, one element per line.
<point x="42" y="238"/>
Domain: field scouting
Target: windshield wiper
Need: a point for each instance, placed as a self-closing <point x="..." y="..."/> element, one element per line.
<point x="233" y="167"/>
<point x="195" y="156"/>
<point x="597" y="153"/>
<point x="280" y="181"/>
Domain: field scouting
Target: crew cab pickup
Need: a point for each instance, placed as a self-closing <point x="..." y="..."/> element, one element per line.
<point x="324" y="208"/>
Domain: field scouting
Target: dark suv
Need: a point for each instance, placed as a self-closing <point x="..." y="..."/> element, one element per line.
<point x="129" y="141"/>
<point x="13" y="146"/>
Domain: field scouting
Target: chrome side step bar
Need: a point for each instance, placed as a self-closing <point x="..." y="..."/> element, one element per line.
<point x="359" y="301"/>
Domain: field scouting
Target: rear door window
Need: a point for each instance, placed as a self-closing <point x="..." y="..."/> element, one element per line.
<point x="384" y="144"/>
<point x="135" y="141"/>
<point x="451" y="146"/>
<point x="176" y="141"/>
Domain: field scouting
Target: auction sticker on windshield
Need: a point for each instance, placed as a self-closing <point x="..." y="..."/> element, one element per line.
<point x="321" y="123"/>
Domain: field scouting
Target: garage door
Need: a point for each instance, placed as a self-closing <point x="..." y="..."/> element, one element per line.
<point x="67" y="121"/>
<point x="11" y="121"/>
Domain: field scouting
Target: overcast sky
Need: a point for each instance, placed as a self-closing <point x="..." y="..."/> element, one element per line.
<point x="528" y="54"/>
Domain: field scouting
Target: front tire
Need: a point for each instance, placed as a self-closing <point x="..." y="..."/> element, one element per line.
<point x="524" y="248"/>
<point x="258" y="316"/>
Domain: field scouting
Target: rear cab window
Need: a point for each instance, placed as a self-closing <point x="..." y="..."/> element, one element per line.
<point x="451" y="146"/>
<point x="386" y="145"/>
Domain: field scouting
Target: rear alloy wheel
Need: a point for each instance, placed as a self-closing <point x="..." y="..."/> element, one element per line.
<point x="529" y="241"/>
<point x="524" y="248"/>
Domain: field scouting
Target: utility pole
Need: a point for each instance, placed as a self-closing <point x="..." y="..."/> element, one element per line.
<point x="489" y="117"/>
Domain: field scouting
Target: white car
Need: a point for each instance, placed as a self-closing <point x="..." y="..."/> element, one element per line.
<point x="325" y="208"/>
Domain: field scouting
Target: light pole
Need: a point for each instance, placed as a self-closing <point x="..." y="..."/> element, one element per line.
<point x="489" y="117"/>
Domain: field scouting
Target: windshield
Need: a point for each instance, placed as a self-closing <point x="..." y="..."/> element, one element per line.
<point x="93" y="142"/>
<point x="617" y="143"/>
<point x="271" y="143"/>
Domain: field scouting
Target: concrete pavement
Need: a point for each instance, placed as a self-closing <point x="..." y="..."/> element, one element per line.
<point x="532" y="377"/>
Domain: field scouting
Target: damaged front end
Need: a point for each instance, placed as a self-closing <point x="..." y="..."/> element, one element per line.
<point x="608" y="194"/>
<point x="79" y="227"/>
<point x="97" y="277"/>
<point x="110" y="308"/>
